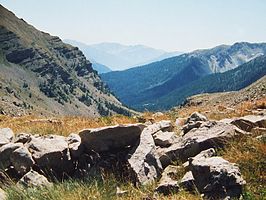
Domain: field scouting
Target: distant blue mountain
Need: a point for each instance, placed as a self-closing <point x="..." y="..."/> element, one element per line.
<point x="119" y="57"/>
<point x="100" y="68"/>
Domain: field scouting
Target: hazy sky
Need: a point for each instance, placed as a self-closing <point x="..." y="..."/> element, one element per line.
<point x="181" y="25"/>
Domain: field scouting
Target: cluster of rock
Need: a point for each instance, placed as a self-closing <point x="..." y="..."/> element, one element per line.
<point x="141" y="153"/>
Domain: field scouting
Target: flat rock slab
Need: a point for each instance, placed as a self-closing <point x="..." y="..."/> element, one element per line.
<point x="249" y="122"/>
<point x="111" y="138"/>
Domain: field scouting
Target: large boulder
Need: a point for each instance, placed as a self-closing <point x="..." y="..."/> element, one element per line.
<point x="6" y="136"/>
<point x="249" y="122"/>
<point x="217" y="178"/>
<point x="6" y="152"/>
<point x="34" y="179"/>
<point x="211" y="134"/>
<point x="194" y="121"/>
<point x="111" y="138"/>
<point x="168" y="183"/>
<point x="51" y="153"/>
<point x="21" y="160"/>
<point x="144" y="162"/>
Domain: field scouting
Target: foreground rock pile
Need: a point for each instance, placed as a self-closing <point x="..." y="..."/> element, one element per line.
<point x="141" y="153"/>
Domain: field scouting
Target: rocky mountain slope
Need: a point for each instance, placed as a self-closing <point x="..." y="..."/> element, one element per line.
<point x="153" y="85"/>
<point x="119" y="57"/>
<point x="41" y="74"/>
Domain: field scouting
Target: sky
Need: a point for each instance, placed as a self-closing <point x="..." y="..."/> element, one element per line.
<point x="171" y="25"/>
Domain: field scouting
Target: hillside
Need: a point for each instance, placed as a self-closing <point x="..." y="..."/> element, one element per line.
<point x="120" y="57"/>
<point x="153" y="83"/>
<point x="40" y="74"/>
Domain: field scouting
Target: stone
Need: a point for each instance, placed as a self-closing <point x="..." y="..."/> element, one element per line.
<point x="74" y="145"/>
<point x="22" y="138"/>
<point x="3" y="195"/>
<point x="211" y="135"/>
<point x="34" y="179"/>
<point x="217" y="178"/>
<point x="164" y="125"/>
<point x="249" y="122"/>
<point x="188" y="181"/>
<point x="21" y="160"/>
<point x="111" y="138"/>
<point x="51" y="153"/>
<point x="143" y="160"/>
<point x="164" y="139"/>
<point x="6" y="136"/>
<point x="158" y="114"/>
<point x="5" y="153"/>
<point x="189" y="126"/>
<point x="167" y="184"/>
<point x="194" y="117"/>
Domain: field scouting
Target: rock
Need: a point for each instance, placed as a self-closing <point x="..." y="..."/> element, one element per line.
<point x="188" y="181"/>
<point x="5" y="153"/>
<point x="34" y="179"/>
<point x="211" y="135"/>
<point x="217" y="178"/>
<point x="22" y="160"/>
<point x="164" y="125"/>
<point x="6" y="136"/>
<point x="120" y="192"/>
<point x="189" y="126"/>
<point x="167" y="184"/>
<point x="195" y="117"/>
<point x="51" y="153"/>
<point x="249" y="122"/>
<point x="3" y="195"/>
<point x="22" y="138"/>
<point x="158" y="114"/>
<point x="164" y="139"/>
<point x="111" y="138"/>
<point x="74" y="145"/>
<point x="144" y="162"/>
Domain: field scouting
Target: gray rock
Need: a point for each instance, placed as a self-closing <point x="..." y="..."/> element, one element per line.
<point x="194" y="117"/>
<point x="167" y="184"/>
<point x="164" y="139"/>
<point x="191" y="125"/>
<point x="188" y="181"/>
<point x="74" y="145"/>
<point x="50" y="152"/>
<point x="212" y="134"/>
<point x="22" y="138"/>
<point x="164" y="125"/>
<point x="6" y="152"/>
<point x="249" y="122"/>
<point x="111" y="137"/>
<point x="21" y="160"/>
<point x="144" y="162"/>
<point x="217" y="178"/>
<point x="34" y="179"/>
<point x="3" y="195"/>
<point x="6" y="136"/>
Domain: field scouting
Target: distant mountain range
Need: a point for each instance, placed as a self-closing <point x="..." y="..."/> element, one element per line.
<point x="40" y="74"/>
<point x="120" y="57"/>
<point x="164" y="84"/>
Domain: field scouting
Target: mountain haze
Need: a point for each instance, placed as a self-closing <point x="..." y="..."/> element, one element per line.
<point x="41" y="74"/>
<point x="119" y="57"/>
<point x="145" y="85"/>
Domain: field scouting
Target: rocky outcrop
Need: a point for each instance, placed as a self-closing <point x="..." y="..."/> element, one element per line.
<point x="164" y="139"/>
<point x="250" y="122"/>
